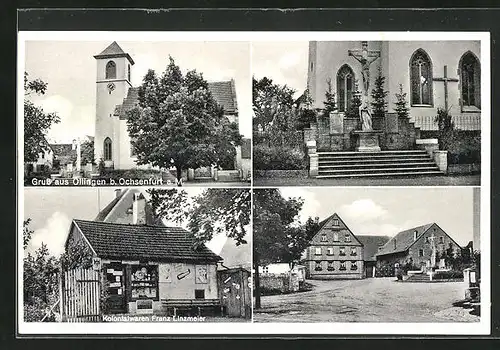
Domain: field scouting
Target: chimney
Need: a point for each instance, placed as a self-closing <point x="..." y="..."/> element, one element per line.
<point x="139" y="209"/>
<point x="118" y="192"/>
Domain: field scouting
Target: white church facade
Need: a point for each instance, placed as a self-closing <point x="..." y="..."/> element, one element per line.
<point x="115" y="95"/>
<point x="433" y="74"/>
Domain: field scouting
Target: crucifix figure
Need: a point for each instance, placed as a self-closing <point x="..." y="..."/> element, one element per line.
<point x="433" y="247"/>
<point x="365" y="57"/>
<point x="445" y="79"/>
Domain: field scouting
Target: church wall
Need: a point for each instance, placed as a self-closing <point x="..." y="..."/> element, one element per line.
<point x="312" y="63"/>
<point x="330" y="56"/>
<point x="397" y="54"/>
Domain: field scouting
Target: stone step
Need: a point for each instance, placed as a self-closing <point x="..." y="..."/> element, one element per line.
<point x="377" y="165"/>
<point x="354" y="153"/>
<point x="373" y="161"/>
<point x="370" y="170"/>
<point x="373" y="156"/>
<point x="382" y="174"/>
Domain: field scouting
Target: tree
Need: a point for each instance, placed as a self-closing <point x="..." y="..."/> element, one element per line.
<point x="178" y="122"/>
<point x="447" y="134"/>
<point x="401" y="103"/>
<point x="353" y="108"/>
<point x="379" y="97"/>
<point x="87" y="152"/>
<point x="277" y="236"/>
<point x="330" y="102"/>
<point x="213" y="212"/>
<point x="27" y="233"/>
<point x="36" y="122"/>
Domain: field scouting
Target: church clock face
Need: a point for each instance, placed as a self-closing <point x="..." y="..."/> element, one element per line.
<point x="111" y="87"/>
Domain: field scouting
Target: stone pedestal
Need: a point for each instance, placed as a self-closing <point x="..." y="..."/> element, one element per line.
<point x="367" y="140"/>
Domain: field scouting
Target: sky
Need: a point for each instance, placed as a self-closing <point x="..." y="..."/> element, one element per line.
<point x="51" y="211"/>
<point x="69" y="68"/>
<point x="284" y="62"/>
<point x="387" y="211"/>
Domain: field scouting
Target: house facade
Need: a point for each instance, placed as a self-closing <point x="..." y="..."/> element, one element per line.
<point x="115" y="96"/>
<point x="335" y="252"/>
<point x="433" y="74"/>
<point x="417" y="246"/>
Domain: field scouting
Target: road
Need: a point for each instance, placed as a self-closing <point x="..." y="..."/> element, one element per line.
<point x="367" y="300"/>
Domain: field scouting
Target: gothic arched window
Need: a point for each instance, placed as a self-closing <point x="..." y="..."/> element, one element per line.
<point x="470" y="80"/>
<point x="421" y="78"/>
<point x="345" y="87"/>
<point x="111" y="70"/>
<point x="108" y="145"/>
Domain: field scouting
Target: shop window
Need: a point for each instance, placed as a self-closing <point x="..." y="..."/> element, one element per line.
<point x="144" y="281"/>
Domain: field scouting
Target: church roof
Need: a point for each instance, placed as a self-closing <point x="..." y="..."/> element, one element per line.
<point x="404" y="240"/>
<point x="112" y="51"/>
<point x="224" y="93"/>
<point x="143" y="242"/>
<point x="371" y="245"/>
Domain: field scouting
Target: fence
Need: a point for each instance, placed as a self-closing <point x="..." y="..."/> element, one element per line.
<point x="470" y="122"/>
<point x="80" y="295"/>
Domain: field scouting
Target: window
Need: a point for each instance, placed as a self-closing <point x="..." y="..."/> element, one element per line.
<point x="330" y="266"/>
<point x="335" y="222"/>
<point x="354" y="252"/>
<point x="345" y="87"/>
<point x="144" y="281"/>
<point x="111" y="70"/>
<point x="342" y="265"/>
<point x="107" y="149"/>
<point x="420" y="252"/>
<point x="441" y="239"/>
<point x="354" y="265"/>
<point x="427" y="240"/>
<point x="199" y="294"/>
<point x="329" y="250"/>
<point x="317" y="251"/>
<point x="265" y="269"/>
<point x="421" y="78"/>
<point x="342" y="251"/>
<point x="128" y="73"/>
<point x="347" y="237"/>
<point x="318" y="266"/>
<point x="335" y="237"/>
<point x="323" y="238"/>
<point x="470" y="80"/>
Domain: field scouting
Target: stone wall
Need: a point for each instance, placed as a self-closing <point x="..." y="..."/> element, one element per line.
<point x="285" y="283"/>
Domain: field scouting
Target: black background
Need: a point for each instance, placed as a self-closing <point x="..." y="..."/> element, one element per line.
<point x="368" y="19"/>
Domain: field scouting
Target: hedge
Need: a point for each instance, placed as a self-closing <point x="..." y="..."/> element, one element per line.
<point x="448" y="275"/>
<point x="278" y="158"/>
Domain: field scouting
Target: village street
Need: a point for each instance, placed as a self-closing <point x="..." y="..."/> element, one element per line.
<point x="367" y="300"/>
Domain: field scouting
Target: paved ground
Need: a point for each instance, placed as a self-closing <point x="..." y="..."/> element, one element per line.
<point x="367" y="300"/>
<point x="449" y="180"/>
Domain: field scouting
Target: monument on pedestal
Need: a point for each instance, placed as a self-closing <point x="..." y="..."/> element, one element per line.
<point x="367" y="138"/>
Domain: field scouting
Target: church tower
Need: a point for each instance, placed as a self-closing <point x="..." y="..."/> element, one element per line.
<point x="112" y="84"/>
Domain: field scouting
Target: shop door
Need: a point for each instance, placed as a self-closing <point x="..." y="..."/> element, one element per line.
<point x="115" y="276"/>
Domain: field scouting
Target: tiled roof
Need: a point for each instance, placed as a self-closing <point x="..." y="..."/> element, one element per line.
<point x="234" y="255"/>
<point x="371" y="244"/>
<point x="114" y="50"/>
<point x="142" y="242"/>
<point x="224" y="93"/>
<point x="246" y="152"/>
<point x="107" y="209"/>
<point x="404" y="240"/>
<point x="63" y="152"/>
<point x="129" y="102"/>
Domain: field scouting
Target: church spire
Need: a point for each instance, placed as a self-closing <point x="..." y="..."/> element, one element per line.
<point x="112" y="51"/>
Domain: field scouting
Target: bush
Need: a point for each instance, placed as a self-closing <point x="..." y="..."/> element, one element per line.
<point x="278" y="158"/>
<point x="464" y="149"/>
<point x="447" y="275"/>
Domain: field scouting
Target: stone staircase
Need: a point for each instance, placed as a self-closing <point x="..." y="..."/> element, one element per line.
<point x="376" y="164"/>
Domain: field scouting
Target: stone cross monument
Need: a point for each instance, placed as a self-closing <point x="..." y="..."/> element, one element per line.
<point x="368" y="140"/>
